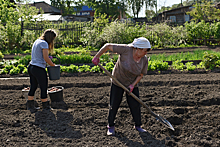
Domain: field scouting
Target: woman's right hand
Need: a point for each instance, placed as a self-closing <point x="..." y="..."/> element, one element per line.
<point x="95" y="60"/>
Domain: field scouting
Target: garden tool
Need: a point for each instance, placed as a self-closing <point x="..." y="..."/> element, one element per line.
<point x="157" y="116"/>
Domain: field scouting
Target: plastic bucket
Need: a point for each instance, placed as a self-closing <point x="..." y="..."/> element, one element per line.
<point x="25" y="94"/>
<point x="56" y="96"/>
<point x="54" y="72"/>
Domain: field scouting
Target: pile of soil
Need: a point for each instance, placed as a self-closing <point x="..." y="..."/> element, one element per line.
<point x="190" y="102"/>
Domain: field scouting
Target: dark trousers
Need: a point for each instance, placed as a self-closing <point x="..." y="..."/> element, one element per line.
<point x="115" y="100"/>
<point x="38" y="75"/>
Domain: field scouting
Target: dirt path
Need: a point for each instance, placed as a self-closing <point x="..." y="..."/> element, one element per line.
<point x="190" y="102"/>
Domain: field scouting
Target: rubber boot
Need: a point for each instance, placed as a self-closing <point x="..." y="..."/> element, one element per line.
<point x="46" y="105"/>
<point x="30" y="106"/>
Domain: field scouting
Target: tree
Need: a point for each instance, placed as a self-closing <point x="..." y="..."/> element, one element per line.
<point x="204" y="11"/>
<point x="149" y="14"/>
<point x="109" y="7"/>
<point x="150" y="4"/>
<point x="67" y="6"/>
<point x="135" y="6"/>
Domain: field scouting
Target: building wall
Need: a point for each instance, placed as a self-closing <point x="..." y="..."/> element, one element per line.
<point x="176" y="15"/>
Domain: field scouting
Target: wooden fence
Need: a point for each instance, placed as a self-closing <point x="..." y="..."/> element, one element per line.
<point x="72" y="31"/>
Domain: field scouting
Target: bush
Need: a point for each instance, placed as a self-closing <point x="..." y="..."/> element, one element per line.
<point x="209" y="60"/>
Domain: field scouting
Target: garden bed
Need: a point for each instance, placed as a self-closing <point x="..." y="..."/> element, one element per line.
<point x="190" y="102"/>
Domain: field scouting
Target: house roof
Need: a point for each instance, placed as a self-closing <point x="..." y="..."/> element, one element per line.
<point x="167" y="11"/>
<point x="49" y="17"/>
<point x="46" y="7"/>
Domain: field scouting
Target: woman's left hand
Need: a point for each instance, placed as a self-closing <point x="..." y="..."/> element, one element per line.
<point x="131" y="87"/>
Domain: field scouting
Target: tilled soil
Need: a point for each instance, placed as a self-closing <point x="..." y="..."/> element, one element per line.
<point x="190" y="102"/>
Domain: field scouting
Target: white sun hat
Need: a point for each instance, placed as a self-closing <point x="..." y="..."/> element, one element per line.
<point x="140" y="42"/>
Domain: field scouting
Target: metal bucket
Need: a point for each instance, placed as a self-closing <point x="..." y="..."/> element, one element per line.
<point x="56" y="96"/>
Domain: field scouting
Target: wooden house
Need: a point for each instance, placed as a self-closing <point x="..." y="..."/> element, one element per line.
<point x="177" y="15"/>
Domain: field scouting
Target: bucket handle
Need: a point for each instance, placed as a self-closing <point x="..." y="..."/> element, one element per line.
<point x="51" y="57"/>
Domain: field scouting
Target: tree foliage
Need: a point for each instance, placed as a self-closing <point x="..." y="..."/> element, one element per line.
<point x="135" y="6"/>
<point x="10" y="22"/>
<point x="67" y="6"/>
<point x="109" y="7"/>
<point x="204" y="11"/>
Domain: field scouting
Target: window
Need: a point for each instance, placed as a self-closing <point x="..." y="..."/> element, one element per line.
<point x="173" y="18"/>
<point x="186" y="17"/>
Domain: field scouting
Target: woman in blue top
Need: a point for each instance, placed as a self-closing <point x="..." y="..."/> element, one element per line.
<point x="36" y="69"/>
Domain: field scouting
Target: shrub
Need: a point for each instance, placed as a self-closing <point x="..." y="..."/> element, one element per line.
<point x="209" y="60"/>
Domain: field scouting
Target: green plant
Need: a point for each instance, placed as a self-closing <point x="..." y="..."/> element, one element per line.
<point x="14" y="71"/>
<point x="1" y="55"/>
<point x="95" y="69"/>
<point x="25" y="71"/>
<point x="63" y="68"/>
<point x="217" y="63"/>
<point x="4" y="71"/>
<point x="24" y="60"/>
<point x="157" y="65"/>
<point x="21" y="67"/>
<point x="209" y="60"/>
<point x="178" y="65"/>
<point x="84" y="68"/>
<point x="160" y="65"/>
<point x="109" y="66"/>
<point x="201" y="65"/>
<point x="190" y="66"/>
<point x="105" y="58"/>
<point x="72" y="69"/>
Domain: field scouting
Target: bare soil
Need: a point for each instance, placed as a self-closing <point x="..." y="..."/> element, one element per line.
<point x="189" y="101"/>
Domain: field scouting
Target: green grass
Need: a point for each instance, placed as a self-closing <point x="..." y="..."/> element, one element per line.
<point x="195" y="55"/>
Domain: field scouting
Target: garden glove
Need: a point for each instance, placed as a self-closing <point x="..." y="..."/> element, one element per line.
<point x="130" y="87"/>
<point x="95" y="60"/>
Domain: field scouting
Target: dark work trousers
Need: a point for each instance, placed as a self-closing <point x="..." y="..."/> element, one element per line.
<point x="115" y="101"/>
<point x="38" y="75"/>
